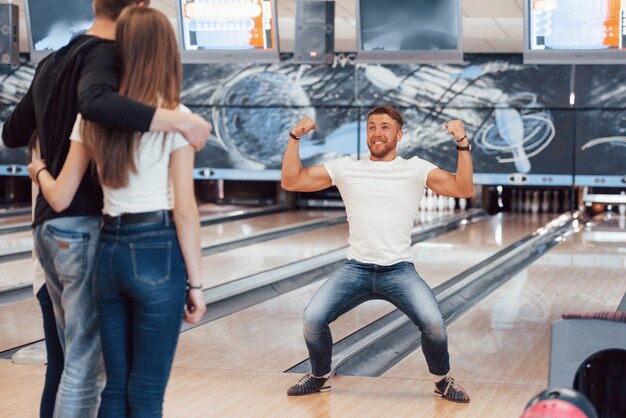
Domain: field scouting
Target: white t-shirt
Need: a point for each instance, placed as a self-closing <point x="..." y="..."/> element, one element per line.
<point x="150" y="189"/>
<point x="381" y="199"/>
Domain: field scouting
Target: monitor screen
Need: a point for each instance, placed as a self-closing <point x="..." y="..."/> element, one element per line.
<point x="420" y="31"/>
<point x="228" y="30"/>
<point x="53" y="23"/>
<point x="575" y="31"/>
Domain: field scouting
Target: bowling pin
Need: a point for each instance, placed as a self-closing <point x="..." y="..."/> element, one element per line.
<point x="421" y="217"/>
<point x="534" y="205"/>
<point x="527" y="201"/>
<point x="462" y="203"/>
<point x="451" y="204"/>
<point x="441" y="203"/>
<point x="423" y="202"/>
<point x="432" y="201"/>
<point x="520" y="201"/>
<point x="622" y="206"/>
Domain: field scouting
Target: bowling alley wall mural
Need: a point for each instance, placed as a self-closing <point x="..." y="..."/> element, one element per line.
<point x="522" y="126"/>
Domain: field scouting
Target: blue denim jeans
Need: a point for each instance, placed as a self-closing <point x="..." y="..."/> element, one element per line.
<point x="355" y="283"/>
<point x="66" y="250"/>
<point x="140" y="288"/>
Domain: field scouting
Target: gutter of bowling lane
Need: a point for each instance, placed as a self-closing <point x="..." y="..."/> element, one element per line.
<point x="375" y="348"/>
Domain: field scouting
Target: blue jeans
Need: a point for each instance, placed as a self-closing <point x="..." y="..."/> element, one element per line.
<point x="54" y="354"/>
<point x="140" y="288"/>
<point x="355" y="283"/>
<point x="66" y="250"/>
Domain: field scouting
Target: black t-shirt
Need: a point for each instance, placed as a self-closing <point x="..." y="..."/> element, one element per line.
<point x="81" y="77"/>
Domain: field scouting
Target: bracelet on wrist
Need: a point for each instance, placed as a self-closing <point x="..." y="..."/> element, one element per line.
<point x="192" y="287"/>
<point x="297" y="138"/>
<point x="37" y="174"/>
<point x="459" y="140"/>
<point x="467" y="148"/>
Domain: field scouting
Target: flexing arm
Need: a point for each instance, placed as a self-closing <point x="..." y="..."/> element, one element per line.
<point x="98" y="101"/>
<point x="187" y="224"/>
<point x="448" y="184"/>
<point x="60" y="192"/>
<point x="294" y="177"/>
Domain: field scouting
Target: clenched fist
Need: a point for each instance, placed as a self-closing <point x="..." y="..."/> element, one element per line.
<point x="456" y="129"/>
<point x="304" y="126"/>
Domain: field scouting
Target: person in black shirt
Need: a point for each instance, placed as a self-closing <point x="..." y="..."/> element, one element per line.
<point x="81" y="77"/>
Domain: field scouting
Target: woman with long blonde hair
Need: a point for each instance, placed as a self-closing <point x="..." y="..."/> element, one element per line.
<point x="148" y="256"/>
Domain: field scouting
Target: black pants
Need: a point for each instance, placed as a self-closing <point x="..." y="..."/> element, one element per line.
<point x="55" y="355"/>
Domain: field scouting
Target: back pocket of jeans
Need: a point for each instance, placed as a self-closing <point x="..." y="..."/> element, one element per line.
<point x="69" y="251"/>
<point x="151" y="261"/>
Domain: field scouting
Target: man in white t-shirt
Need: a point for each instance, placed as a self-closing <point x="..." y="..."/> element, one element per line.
<point x="381" y="194"/>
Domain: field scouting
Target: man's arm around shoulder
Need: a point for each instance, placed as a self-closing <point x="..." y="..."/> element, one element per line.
<point x="99" y="101"/>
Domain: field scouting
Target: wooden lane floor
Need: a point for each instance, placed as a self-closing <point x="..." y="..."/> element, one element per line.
<point x="227" y="231"/>
<point x="201" y="393"/>
<point x="261" y="341"/>
<point x="12" y="273"/>
<point x="21" y="222"/>
<point x="215" y="209"/>
<point x="505" y="339"/>
<point x="9" y="221"/>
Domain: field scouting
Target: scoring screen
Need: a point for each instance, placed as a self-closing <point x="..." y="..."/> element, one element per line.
<point x="228" y="25"/>
<point x="577" y="24"/>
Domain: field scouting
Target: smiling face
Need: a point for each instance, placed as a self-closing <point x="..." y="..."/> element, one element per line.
<point x="383" y="135"/>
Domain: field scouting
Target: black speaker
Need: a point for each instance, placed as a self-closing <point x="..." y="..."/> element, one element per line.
<point x="9" y="34"/>
<point x="315" y="32"/>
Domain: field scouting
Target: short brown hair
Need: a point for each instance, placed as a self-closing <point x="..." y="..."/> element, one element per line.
<point x="113" y="8"/>
<point x="387" y="110"/>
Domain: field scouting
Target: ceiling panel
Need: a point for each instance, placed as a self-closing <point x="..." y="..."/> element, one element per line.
<point x="491" y="8"/>
<point x="482" y="27"/>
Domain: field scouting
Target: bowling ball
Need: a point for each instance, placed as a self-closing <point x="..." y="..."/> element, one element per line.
<point x="559" y="403"/>
<point x="553" y="409"/>
<point x="598" y="207"/>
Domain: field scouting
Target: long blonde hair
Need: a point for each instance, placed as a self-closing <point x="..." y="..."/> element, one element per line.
<point x="151" y="73"/>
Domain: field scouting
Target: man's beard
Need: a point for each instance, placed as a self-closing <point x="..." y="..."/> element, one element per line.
<point x="381" y="153"/>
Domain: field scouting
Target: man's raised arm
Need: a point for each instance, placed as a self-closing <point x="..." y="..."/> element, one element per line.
<point x="461" y="184"/>
<point x="295" y="178"/>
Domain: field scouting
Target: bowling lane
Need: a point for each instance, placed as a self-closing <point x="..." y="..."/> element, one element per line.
<point x="228" y="231"/>
<point x="211" y="209"/>
<point x="505" y="339"/>
<point x="241" y="262"/>
<point x="218" y="268"/>
<point x="268" y="336"/>
<point x="10" y="221"/>
<point x="17" y="272"/>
